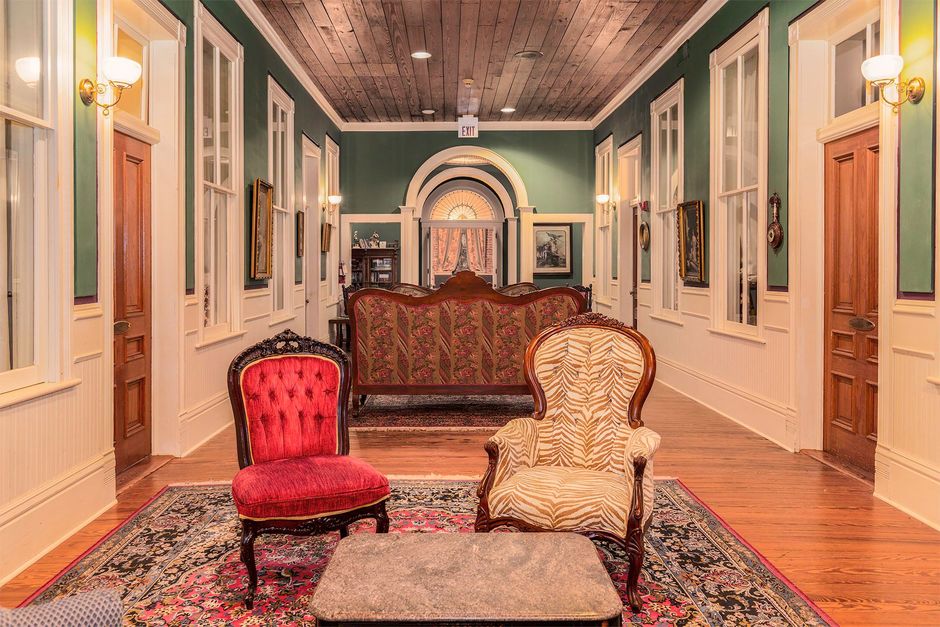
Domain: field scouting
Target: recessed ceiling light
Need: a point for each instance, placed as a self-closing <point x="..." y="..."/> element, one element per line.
<point x="421" y="54"/>
<point x="508" y="109"/>
<point x="427" y="111"/>
<point x="528" y="54"/>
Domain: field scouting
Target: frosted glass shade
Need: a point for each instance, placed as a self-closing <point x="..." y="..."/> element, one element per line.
<point x="28" y="69"/>
<point x="334" y="199"/>
<point x="603" y="198"/>
<point x="882" y="68"/>
<point x="121" y="71"/>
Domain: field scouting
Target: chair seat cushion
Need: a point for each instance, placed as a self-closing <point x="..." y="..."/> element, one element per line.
<point x="307" y="487"/>
<point x="564" y="499"/>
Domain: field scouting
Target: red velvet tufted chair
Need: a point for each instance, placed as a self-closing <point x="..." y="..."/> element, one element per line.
<point x="289" y="395"/>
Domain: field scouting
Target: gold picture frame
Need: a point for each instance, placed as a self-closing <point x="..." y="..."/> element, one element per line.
<point x="691" y="244"/>
<point x="326" y="236"/>
<point x="300" y="234"/>
<point x="262" y="229"/>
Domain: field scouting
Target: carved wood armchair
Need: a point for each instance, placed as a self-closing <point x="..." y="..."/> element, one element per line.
<point x="583" y="461"/>
<point x="290" y="395"/>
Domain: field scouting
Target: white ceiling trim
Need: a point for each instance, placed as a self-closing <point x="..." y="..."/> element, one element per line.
<point x="300" y="73"/>
<point x="534" y="125"/>
<point x="701" y="16"/>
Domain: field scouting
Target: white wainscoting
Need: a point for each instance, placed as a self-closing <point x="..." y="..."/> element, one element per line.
<point x="744" y="380"/>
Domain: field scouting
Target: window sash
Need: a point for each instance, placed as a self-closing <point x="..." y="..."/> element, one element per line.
<point x="667" y="179"/>
<point x="280" y="147"/>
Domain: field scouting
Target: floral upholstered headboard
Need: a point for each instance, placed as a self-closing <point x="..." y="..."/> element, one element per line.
<point x="465" y="338"/>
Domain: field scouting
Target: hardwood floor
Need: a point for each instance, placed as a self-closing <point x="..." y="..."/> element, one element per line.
<point x="859" y="559"/>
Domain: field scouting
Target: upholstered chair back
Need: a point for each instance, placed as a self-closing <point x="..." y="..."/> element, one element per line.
<point x="290" y="404"/>
<point x="590" y="377"/>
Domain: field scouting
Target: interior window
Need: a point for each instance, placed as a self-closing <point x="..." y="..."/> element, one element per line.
<point x="849" y="85"/>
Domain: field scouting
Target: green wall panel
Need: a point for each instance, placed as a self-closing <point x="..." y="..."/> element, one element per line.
<point x="917" y="157"/>
<point x="86" y="155"/>
<point x="557" y="167"/>
<point x="691" y="63"/>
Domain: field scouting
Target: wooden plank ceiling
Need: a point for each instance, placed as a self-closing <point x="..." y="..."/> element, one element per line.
<point x="358" y="52"/>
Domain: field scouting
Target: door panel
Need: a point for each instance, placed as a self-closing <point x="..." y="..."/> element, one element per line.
<point x="851" y="351"/>
<point x="132" y="323"/>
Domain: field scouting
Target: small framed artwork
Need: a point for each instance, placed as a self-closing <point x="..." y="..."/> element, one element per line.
<point x="552" y="249"/>
<point x="262" y="229"/>
<point x="691" y="249"/>
<point x="300" y="233"/>
<point x="326" y="237"/>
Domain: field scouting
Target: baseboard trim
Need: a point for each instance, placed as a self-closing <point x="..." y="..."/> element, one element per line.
<point x="203" y="422"/>
<point x="903" y="482"/>
<point x="762" y="416"/>
<point x="39" y="522"/>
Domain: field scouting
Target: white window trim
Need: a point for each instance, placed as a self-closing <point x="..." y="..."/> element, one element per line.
<point x="207" y="28"/>
<point x="672" y="96"/>
<point x="754" y="31"/>
<point x="277" y="95"/>
<point x="329" y="289"/>
<point x="603" y="218"/>
<point x="52" y="251"/>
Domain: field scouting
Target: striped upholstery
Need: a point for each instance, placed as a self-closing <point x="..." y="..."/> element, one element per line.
<point x="573" y="470"/>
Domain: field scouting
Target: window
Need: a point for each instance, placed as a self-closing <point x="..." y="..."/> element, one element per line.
<point x="281" y="173"/>
<point x="739" y="138"/>
<point x="603" y="217"/>
<point x="849" y="86"/>
<point x="219" y="90"/>
<point x="26" y="141"/>
<point x="132" y="45"/>
<point x="329" y="261"/>
<point x="666" y="126"/>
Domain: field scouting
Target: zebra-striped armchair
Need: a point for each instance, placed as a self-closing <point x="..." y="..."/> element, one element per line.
<point x="583" y="462"/>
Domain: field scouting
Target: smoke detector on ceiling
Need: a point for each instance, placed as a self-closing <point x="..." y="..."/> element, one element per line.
<point x="529" y="54"/>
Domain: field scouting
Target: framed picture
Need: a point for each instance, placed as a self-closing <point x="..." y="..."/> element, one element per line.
<point x="552" y="249"/>
<point x="300" y="233"/>
<point x="691" y="248"/>
<point x="262" y="229"/>
<point x="326" y="237"/>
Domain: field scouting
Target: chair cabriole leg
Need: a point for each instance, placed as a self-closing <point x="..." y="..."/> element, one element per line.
<point x="248" y="558"/>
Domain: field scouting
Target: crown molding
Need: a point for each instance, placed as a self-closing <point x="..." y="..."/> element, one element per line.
<point x="535" y="125"/>
<point x="701" y="16"/>
<point x="300" y="73"/>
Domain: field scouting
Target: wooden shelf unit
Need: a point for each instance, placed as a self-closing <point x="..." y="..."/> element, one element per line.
<point x="374" y="267"/>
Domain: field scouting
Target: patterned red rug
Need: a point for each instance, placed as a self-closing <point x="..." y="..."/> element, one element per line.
<point x="432" y="413"/>
<point x="175" y="562"/>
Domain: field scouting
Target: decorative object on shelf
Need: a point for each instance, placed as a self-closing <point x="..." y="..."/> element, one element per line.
<point x="645" y="206"/>
<point x="120" y="73"/>
<point x="395" y="244"/>
<point x="262" y="226"/>
<point x="356" y="240"/>
<point x="775" y="230"/>
<point x="363" y="243"/>
<point x="326" y="237"/>
<point x="644" y="236"/>
<point x="383" y="244"/>
<point x="552" y="249"/>
<point x="883" y="71"/>
<point x="374" y="240"/>
<point x="691" y="249"/>
<point x="300" y="233"/>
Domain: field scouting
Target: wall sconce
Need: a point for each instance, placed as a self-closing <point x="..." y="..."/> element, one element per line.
<point x="883" y="71"/>
<point x="29" y="70"/>
<point x="603" y="199"/>
<point x="120" y="73"/>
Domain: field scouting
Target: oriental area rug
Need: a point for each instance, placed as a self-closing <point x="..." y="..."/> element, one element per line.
<point x="175" y="562"/>
<point x="444" y="413"/>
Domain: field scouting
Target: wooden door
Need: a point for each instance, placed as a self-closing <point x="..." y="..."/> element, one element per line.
<point x="132" y="329"/>
<point x="850" y="428"/>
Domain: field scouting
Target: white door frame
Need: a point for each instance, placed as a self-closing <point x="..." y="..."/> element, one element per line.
<point x="310" y="202"/>
<point x="811" y="126"/>
<point x="629" y="191"/>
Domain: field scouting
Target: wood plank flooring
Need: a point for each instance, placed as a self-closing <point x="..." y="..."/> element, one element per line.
<point x="862" y="561"/>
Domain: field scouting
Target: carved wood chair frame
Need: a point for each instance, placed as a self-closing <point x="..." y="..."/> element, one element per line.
<point x="289" y="343"/>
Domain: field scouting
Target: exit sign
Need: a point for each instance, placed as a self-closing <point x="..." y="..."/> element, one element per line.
<point x="468" y="127"/>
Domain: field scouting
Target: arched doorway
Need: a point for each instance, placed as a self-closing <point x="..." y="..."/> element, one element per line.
<point x="462" y="229"/>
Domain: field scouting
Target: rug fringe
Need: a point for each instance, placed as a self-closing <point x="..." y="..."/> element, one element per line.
<point x="450" y="429"/>
<point x="433" y="477"/>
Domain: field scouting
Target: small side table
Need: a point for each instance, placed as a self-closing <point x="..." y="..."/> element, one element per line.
<point x="339" y="332"/>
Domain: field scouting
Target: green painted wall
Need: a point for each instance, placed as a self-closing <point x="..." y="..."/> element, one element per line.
<point x="916" y="232"/>
<point x="556" y="166"/>
<point x="260" y="61"/>
<point x="86" y="155"/>
<point x="633" y="116"/>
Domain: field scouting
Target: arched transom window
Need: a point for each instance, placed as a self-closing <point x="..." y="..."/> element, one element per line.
<point x="462" y="204"/>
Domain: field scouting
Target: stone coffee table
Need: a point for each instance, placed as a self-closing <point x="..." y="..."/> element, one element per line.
<point x="466" y="579"/>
